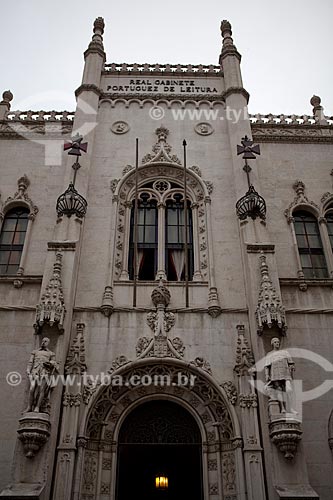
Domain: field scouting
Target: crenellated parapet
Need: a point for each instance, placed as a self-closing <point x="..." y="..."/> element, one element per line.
<point x="293" y="128"/>
<point x="165" y="69"/>
<point x="36" y="124"/>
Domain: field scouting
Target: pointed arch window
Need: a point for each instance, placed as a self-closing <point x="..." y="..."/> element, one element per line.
<point x="310" y="245"/>
<point x="147" y="238"/>
<point x="12" y="237"/>
<point x="161" y="233"/>
<point x="175" y="239"/>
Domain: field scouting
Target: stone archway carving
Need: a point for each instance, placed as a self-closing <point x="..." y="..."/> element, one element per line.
<point x="205" y="400"/>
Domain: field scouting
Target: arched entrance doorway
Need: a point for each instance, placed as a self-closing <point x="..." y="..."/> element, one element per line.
<point x="159" y="437"/>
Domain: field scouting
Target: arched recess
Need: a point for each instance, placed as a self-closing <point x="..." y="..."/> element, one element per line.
<point x="198" y="194"/>
<point x="222" y="457"/>
<point x="20" y="199"/>
<point x="159" y="437"/>
<point x="302" y="205"/>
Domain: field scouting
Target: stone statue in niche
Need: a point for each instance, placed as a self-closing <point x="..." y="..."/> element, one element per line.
<point x="41" y="368"/>
<point x="279" y="372"/>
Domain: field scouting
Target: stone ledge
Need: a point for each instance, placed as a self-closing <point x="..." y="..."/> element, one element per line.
<point x="296" y="491"/>
<point x="19" y="491"/>
<point x="260" y="247"/>
<point x="326" y="282"/>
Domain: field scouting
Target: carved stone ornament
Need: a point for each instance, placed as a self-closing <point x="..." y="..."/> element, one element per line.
<point x="160" y="295"/>
<point x="300" y="201"/>
<point x="51" y="308"/>
<point x="161" y="150"/>
<point x="269" y="311"/>
<point x="214" y="308"/>
<point x="107" y="302"/>
<point x="244" y="355"/>
<point x="209" y="401"/>
<point x="204" y="128"/>
<point x="117" y="363"/>
<point x="202" y="363"/>
<point x="285" y="434"/>
<point x="160" y="347"/>
<point x="76" y="358"/>
<point x="248" y="400"/>
<point x="127" y="169"/>
<point x="161" y="322"/>
<point x="231" y="391"/>
<point x="20" y="196"/>
<point x="33" y="432"/>
<point x="229" y="473"/>
<point x="114" y="184"/>
<point x="120" y="127"/>
<point x="196" y="170"/>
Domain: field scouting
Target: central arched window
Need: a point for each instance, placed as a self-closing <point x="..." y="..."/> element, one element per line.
<point x="161" y="233"/>
<point x="12" y="238"/>
<point x="310" y="246"/>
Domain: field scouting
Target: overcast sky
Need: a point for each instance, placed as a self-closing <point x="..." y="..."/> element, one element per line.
<point x="286" y="46"/>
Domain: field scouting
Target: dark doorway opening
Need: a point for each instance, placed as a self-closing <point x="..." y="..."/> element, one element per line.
<point x="159" y="437"/>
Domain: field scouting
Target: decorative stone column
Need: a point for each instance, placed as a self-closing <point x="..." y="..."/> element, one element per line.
<point x="160" y="275"/>
<point x="214" y="308"/>
<point x="75" y="368"/>
<point x="248" y="403"/>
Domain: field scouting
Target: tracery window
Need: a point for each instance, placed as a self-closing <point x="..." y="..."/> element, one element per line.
<point x="310" y="245"/>
<point x="161" y="233"/>
<point x="13" y="233"/>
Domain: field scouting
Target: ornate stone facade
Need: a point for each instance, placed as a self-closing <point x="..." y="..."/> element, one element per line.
<point x="193" y="345"/>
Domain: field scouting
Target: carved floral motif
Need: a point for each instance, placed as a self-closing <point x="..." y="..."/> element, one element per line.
<point x="231" y="391"/>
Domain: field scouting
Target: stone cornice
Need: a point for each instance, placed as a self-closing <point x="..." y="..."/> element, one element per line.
<point x="95" y="48"/>
<point x="289" y="133"/>
<point x="36" y="124"/>
<point x="229" y="51"/>
<point x="236" y="90"/>
<point x="325" y="282"/>
<point x="88" y="87"/>
<point x="164" y="97"/>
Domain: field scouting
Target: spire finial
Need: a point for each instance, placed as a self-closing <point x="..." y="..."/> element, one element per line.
<point x="226" y="30"/>
<point x="228" y="47"/>
<point x="96" y="43"/>
<point x="99" y="25"/>
<point x="318" y="110"/>
<point x="7" y="96"/>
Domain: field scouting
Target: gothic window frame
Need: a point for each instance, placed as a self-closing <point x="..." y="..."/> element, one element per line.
<point x="14" y="225"/>
<point x="301" y="203"/>
<point x="304" y="219"/>
<point x="20" y="199"/>
<point x="197" y="195"/>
